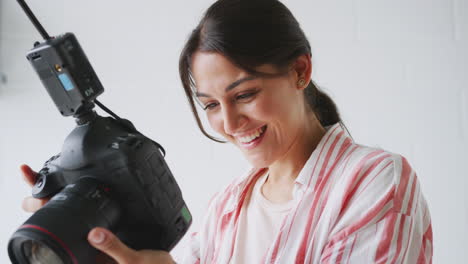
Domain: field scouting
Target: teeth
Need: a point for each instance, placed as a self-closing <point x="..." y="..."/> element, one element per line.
<point x="252" y="136"/>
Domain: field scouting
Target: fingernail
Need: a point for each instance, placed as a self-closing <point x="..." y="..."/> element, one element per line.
<point x="97" y="237"/>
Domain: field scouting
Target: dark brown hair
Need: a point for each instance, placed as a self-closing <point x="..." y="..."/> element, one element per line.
<point x="251" y="33"/>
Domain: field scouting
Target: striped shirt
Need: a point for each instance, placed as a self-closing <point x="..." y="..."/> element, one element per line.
<point x="353" y="204"/>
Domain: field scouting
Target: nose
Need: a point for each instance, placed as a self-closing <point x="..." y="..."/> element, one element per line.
<point x="233" y="119"/>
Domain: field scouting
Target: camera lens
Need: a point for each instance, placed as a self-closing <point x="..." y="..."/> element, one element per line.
<point x="38" y="253"/>
<point x="30" y="247"/>
<point x="56" y="233"/>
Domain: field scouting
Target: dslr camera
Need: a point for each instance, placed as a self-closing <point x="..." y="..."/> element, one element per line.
<point x="107" y="173"/>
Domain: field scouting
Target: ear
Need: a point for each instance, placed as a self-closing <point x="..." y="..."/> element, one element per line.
<point x="302" y="70"/>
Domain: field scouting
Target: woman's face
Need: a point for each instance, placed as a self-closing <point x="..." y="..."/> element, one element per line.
<point x="262" y="116"/>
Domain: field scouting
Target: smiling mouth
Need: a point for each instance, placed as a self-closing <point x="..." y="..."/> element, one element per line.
<point x="257" y="134"/>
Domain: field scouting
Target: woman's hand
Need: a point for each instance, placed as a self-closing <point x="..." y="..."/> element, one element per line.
<point x="100" y="238"/>
<point x="108" y="243"/>
<point x="31" y="204"/>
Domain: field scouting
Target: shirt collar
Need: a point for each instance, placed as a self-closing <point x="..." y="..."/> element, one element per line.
<point x="305" y="174"/>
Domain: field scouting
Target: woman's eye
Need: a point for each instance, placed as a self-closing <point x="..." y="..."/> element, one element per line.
<point x="210" y="106"/>
<point x="245" y="95"/>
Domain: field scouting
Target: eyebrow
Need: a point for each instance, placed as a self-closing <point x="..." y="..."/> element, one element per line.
<point x="229" y="87"/>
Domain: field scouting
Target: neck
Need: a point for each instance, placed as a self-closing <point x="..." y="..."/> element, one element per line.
<point x="286" y="169"/>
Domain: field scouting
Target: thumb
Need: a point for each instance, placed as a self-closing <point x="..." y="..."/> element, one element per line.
<point x="108" y="243"/>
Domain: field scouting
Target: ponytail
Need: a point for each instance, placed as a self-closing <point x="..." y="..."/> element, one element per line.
<point x="322" y="105"/>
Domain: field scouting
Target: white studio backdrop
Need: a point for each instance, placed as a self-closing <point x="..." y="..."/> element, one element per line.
<point x="396" y="69"/>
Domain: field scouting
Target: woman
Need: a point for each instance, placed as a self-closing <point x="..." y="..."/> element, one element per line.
<point x="313" y="196"/>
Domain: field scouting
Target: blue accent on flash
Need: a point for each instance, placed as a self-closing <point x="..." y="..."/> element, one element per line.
<point x="66" y="82"/>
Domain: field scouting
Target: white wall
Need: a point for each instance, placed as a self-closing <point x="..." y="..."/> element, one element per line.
<point x="397" y="70"/>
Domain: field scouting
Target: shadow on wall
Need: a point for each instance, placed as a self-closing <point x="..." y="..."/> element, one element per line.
<point x="3" y="77"/>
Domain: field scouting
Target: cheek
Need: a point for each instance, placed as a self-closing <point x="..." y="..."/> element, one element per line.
<point x="260" y="109"/>
<point x="269" y="107"/>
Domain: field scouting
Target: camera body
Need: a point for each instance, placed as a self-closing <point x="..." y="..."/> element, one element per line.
<point x="153" y="213"/>
<point x="129" y="190"/>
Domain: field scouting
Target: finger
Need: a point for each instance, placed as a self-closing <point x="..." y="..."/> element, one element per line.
<point x="102" y="258"/>
<point x="108" y="243"/>
<point x="31" y="204"/>
<point x="29" y="175"/>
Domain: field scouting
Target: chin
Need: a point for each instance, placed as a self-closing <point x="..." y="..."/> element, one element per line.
<point x="258" y="162"/>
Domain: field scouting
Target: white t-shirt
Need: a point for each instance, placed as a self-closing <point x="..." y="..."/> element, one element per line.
<point x="259" y="223"/>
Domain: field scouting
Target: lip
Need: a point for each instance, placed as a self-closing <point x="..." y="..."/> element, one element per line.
<point x="243" y="134"/>
<point x="255" y="142"/>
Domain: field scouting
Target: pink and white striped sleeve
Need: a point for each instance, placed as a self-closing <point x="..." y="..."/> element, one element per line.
<point x="192" y="252"/>
<point x="199" y="241"/>
<point x="383" y="219"/>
